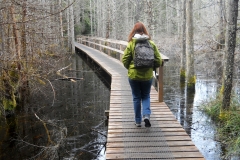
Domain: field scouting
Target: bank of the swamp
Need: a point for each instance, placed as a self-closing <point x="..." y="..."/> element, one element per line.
<point x="228" y="123"/>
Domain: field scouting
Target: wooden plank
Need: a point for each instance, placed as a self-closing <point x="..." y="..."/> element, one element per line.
<point x="153" y="139"/>
<point x="157" y="119"/>
<point x="129" y="116"/>
<point x="129" y="123"/>
<point x="155" y="114"/>
<point x="166" y="133"/>
<point x="156" y="155"/>
<point x="141" y="129"/>
<point x="151" y="144"/>
<point x="169" y="125"/>
<point x="149" y="149"/>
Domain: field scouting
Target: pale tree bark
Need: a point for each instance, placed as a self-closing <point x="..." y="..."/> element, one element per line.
<point x="103" y="19"/>
<point x="24" y="41"/>
<point x="24" y="85"/>
<point x="114" y="19"/>
<point x="144" y="13"/>
<point x="138" y="11"/>
<point x="230" y="50"/>
<point x="91" y="17"/>
<point x="183" y="53"/>
<point x="108" y="20"/>
<point x="68" y="25"/>
<point x="191" y="78"/>
<point x="94" y="18"/>
<point x="167" y="23"/>
<point x="15" y="32"/>
<point x="60" y="18"/>
<point x="2" y="35"/>
<point x="221" y="37"/>
<point x="127" y="20"/>
<point x="178" y="18"/>
<point x="150" y="18"/>
<point x="72" y="27"/>
<point x="99" y="17"/>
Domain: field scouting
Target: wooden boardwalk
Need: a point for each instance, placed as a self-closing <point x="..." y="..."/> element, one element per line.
<point x="166" y="139"/>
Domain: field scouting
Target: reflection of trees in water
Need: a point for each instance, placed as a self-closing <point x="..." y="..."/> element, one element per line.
<point x="72" y="127"/>
<point x="189" y="109"/>
<point x="185" y="105"/>
<point x="186" y="108"/>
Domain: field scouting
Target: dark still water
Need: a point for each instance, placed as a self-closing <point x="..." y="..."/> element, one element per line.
<point x="66" y="120"/>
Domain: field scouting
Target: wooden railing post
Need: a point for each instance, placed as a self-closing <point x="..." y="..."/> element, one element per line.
<point x="160" y="84"/>
<point x="100" y="48"/>
<point x="94" y="46"/>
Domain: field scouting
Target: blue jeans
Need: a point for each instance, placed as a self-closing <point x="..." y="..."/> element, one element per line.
<point x="141" y="95"/>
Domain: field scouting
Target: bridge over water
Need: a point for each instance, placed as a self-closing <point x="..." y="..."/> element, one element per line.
<point x="166" y="139"/>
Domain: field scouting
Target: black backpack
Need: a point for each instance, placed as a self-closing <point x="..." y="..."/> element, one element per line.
<point x="144" y="55"/>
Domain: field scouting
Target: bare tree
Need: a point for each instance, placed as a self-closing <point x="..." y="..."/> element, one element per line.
<point x="72" y="35"/>
<point x="183" y="53"/>
<point x="30" y="48"/>
<point x="230" y="51"/>
<point x="191" y="78"/>
<point x="221" y="37"/>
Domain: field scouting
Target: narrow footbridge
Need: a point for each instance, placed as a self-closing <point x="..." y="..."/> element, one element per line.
<point x="166" y="139"/>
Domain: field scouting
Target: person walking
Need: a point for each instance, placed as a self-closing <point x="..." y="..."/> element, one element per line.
<point x="140" y="79"/>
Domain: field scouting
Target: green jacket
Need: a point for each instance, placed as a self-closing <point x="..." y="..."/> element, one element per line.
<point x="143" y="73"/>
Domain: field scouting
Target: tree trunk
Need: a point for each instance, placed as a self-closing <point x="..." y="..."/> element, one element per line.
<point x="167" y="25"/>
<point x="230" y="49"/>
<point x="221" y="37"/>
<point x="72" y="27"/>
<point x="183" y="54"/>
<point x="60" y="18"/>
<point x="2" y="34"/>
<point x="24" y="41"/>
<point x="108" y="20"/>
<point x="191" y="79"/>
<point x="178" y="18"/>
<point x="150" y="18"/>
<point x="68" y="26"/>
<point x="127" y="20"/>
<point x="114" y="19"/>
<point x="91" y="17"/>
<point x="15" y="32"/>
<point x="138" y="11"/>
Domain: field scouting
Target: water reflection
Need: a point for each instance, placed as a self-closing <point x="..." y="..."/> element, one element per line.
<point x="69" y="125"/>
<point x="185" y="106"/>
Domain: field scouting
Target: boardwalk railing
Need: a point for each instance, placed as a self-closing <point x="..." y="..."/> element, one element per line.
<point x="115" y="48"/>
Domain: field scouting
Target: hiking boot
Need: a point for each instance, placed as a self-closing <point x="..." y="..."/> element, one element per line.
<point x="147" y="122"/>
<point x="138" y="124"/>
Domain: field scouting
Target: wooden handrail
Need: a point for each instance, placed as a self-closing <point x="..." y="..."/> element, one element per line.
<point x="108" y="46"/>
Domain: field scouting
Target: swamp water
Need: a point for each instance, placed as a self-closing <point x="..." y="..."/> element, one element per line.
<point x="73" y="116"/>
<point x="76" y="122"/>
<point x="187" y="106"/>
